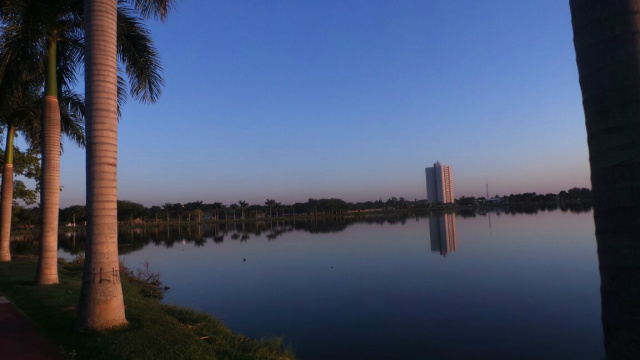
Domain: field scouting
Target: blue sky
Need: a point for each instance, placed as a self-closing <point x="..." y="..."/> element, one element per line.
<point x="293" y="99"/>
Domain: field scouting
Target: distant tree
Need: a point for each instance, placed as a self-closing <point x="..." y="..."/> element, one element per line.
<point x="270" y="203"/>
<point x="466" y="201"/>
<point x="155" y="211"/>
<point x="195" y="205"/>
<point x="73" y="214"/>
<point x="578" y="194"/>
<point x="129" y="210"/>
<point x="194" y="210"/>
<point x="233" y="208"/>
<point x="216" y="207"/>
<point x="168" y="209"/>
<point x="243" y="206"/>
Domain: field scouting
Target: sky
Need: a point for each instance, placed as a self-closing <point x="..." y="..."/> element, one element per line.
<point x="298" y="99"/>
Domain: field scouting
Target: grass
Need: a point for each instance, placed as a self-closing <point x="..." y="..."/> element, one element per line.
<point x="155" y="330"/>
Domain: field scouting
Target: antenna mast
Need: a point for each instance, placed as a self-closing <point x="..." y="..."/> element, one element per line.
<point x="487" y="180"/>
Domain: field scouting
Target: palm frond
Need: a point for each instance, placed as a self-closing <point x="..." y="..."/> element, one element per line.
<point x="139" y="57"/>
<point x="72" y="122"/>
<point x="122" y="92"/>
<point x="22" y="48"/>
<point x="158" y="9"/>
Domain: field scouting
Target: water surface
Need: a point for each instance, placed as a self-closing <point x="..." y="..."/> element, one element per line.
<point x="498" y="285"/>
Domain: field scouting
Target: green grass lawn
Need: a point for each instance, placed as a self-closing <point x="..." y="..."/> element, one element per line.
<point x="155" y="330"/>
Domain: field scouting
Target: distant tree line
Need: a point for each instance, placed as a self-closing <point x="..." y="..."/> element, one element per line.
<point x="130" y="212"/>
<point x="571" y="195"/>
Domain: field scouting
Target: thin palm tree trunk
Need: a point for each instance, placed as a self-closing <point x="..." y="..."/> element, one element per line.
<point x="7" y="198"/>
<point x="47" y="272"/>
<point x="101" y="301"/>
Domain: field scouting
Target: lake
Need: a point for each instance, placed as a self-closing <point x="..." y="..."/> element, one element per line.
<point x="497" y="285"/>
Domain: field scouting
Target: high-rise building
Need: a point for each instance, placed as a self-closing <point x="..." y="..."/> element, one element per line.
<point x="439" y="184"/>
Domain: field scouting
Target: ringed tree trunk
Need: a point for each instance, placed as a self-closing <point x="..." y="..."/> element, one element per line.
<point x="47" y="272"/>
<point x="607" y="45"/>
<point x="101" y="301"/>
<point x="7" y="197"/>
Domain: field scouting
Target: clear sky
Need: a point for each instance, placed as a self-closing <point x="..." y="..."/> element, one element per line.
<point x="298" y="99"/>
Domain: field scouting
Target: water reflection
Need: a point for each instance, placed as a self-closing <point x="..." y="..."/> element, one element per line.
<point x="529" y="290"/>
<point x="136" y="238"/>
<point x="442" y="232"/>
<point x="442" y="229"/>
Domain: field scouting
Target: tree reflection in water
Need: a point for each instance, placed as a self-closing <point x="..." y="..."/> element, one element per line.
<point x="132" y="239"/>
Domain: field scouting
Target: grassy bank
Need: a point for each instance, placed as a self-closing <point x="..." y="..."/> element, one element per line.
<point x="155" y="331"/>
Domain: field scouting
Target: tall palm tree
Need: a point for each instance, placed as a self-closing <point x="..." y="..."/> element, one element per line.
<point x="48" y="34"/>
<point x="10" y="99"/>
<point x="51" y="33"/>
<point x="101" y="302"/>
<point x="243" y="205"/>
<point x="270" y="203"/>
<point x="20" y="108"/>
<point x="606" y="37"/>
<point x="168" y="208"/>
<point x="233" y="208"/>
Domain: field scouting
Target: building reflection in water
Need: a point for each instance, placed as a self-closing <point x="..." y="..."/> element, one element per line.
<point x="442" y="230"/>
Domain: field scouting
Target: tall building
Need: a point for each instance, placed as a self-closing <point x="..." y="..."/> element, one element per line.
<point x="439" y="184"/>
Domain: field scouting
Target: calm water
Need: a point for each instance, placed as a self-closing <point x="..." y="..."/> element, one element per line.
<point x="496" y="286"/>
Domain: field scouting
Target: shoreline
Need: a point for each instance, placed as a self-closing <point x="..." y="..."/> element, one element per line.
<point x="155" y="330"/>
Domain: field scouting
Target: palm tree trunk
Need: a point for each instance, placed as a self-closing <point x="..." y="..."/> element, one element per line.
<point x="47" y="272"/>
<point x="7" y="197"/>
<point x="606" y="38"/>
<point x="101" y="301"/>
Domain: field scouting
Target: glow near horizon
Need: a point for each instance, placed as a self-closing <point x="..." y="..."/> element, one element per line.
<point x="296" y="100"/>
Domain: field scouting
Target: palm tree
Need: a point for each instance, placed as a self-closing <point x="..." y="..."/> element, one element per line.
<point x="608" y="59"/>
<point x="101" y="302"/>
<point x="243" y="205"/>
<point x="47" y="34"/>
<point x="168" y="208"/>
<point x="233" y="208"/>
<point x="9" y="99"/>
<point x="51" y="33"/>
<point x="278" y="205"/>
<point x="606" y="36"/>
<point x="20" y="108"/>
<point x="216" y="206"/>
<point x="270" y="203"/>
